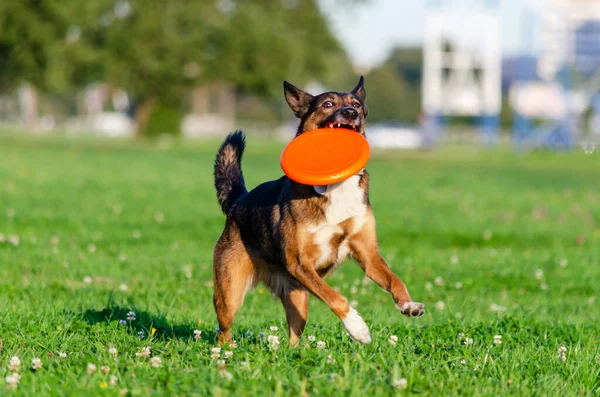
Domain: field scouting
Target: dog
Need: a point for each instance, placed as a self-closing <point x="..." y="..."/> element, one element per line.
<point x="289" y="236"/>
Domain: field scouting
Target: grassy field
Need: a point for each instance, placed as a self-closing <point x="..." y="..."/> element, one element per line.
<point x="493" y="242"/>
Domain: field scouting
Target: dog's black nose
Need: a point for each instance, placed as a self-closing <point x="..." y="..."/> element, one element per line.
<point x="349" y="113"/>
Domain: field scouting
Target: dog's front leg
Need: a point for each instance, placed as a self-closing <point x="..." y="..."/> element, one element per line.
<point x="365" y="250"/>
<point x="305" y="274"/>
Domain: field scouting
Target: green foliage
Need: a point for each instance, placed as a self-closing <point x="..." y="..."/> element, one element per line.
<point x="396" y="87"/>
<point x="158" y="47"/>
<point x="165" y="118"/>
<point x="109" y="227"/>
<point x="27" y="34"/>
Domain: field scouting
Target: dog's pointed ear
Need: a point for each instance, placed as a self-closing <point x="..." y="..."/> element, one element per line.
<point x="298" y="100"/>
<point x="361" y="94"/>
<point x="359" y="90"/>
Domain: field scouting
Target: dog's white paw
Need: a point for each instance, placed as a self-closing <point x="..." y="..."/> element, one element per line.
<point x="356" y="327"/>
<point x="412" y="309"/>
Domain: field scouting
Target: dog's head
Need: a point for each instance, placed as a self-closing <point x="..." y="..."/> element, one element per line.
<point x="328" y="110"/>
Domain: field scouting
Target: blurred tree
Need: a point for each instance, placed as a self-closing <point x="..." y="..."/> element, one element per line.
<point x="395" y="86"/>
<point x="25" y="40"/>
<point x="156" y="49"/>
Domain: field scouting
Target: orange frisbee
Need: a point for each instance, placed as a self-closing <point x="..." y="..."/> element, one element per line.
<point x="325" y="156"/>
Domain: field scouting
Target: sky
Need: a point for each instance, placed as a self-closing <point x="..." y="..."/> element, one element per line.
<point x="369" y="30"/>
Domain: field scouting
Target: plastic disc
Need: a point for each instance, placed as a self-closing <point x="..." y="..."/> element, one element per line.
<point x="325" y="156"/>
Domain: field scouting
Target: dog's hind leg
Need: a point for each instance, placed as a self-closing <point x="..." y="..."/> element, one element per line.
<point x="233" y="277"/>
<point x="295" y="302"/>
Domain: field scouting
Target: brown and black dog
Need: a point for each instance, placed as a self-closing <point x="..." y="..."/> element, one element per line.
<point x="289" y="235"/>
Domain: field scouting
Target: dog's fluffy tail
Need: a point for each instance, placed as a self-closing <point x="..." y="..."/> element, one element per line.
<point x="229" y="180"/>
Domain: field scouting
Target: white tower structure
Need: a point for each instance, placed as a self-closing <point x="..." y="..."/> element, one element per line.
<point x="462" y="61"/>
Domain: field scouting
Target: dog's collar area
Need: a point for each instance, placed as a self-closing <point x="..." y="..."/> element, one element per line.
<point x="321" y="189"/>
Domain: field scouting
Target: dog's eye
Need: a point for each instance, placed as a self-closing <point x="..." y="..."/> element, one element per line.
<point x="356" y="105"/>
<point x="327" y="104"/>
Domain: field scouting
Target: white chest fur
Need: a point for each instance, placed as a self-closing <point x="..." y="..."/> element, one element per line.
<point x="346" y="200"/>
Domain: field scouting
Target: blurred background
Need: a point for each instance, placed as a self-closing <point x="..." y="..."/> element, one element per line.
<point x="513" y="72"/>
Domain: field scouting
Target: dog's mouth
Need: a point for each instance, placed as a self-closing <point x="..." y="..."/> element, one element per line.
<point x="342" y="125"/>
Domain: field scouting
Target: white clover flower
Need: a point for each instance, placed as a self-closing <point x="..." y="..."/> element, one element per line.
<point x="197" y="334"/>
<point x="91" y="368"/>
<point x="273" y="341"/>
<point x="225" y="375"/>
<point x="12" y="381"/>
<point x="461" y="336"/>
<point x="562" y="356"/>
<point x="131" y="315"/>
<point x="428" y="286"/>
<point x="113" y="380"/>
<point x="321" y="345"/>
<point x="563" y="263"/>
<point x="87" y="280"/>
<point x="438" y="281"/>
<point x="393" y="340"/>
<point x="273" y="328"/>
<point x="156" y="362"/>
<point x="539" y="274"/>
<point x="228" y="354"/>
<point x="458" y="285"/>
<point x="330" y="359"/>
<point x="497" y="339"/>
<point x="92" y="248"/>
<point x="122" y="322"/>
<point x="214" y="356"/>
<point x="141" y="334"/>
<point x="62" y="354"/>
<point x="216" y="350"/>
<point x="36" y="364"/>
<point x="400" y="383"/>
<point x="497" y="308"/>
<point x="440" y="305"/>
<point x="105" y="369"/>
<point x="14" y="239"/>
<point x="353" y="290"/>
<point x="14" y="364"/>
<point x="453" y="260"/>
<point x="468" y="341"/>
<point x="112" y="351"/>
<point x="187" y="270"/>
<point x="354" y="303"/>
<point x="312" y="338"/>
<point x="145" y="352"/>
<point x="249" y="334"/>
<point x="123" y="287"/>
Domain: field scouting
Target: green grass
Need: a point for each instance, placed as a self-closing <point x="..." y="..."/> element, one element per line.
<point x="109" y="227"/>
